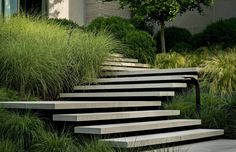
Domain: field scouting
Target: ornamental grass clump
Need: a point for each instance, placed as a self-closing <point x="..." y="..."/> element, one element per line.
<point x="8" y="146"/>
<point x="42" y="58"/>
<point x="220" y="71"/>
<point x="20" y="128"/>
<point x="54" y="142"/>
<point x="170" y="60"/>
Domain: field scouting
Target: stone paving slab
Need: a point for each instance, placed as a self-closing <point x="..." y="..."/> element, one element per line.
<point x="221" y="145"/>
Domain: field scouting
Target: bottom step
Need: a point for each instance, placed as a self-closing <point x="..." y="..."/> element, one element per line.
<point x="163" y="138"/>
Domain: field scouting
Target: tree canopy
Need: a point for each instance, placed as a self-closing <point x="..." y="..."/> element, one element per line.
<point x="159" y="11"/>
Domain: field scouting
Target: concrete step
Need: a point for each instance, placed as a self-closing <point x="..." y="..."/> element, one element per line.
<point x="137" y="126"/>
<point x="144" y="78"/>
<point x="116" y="55"/>
<point x="114" y="115"/>
<point x="162" y="138"/>
<point x="117" y="68"/>
<point x="131" y="86"/>
<point x="124" y="64"/>
<point x="127" y="60"/>
<point x="184" y="71"/>
<point x="118" y="94"/>
<point x="65" y="105"/>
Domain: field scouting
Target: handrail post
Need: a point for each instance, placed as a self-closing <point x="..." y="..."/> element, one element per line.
<point x="197" y="92"/>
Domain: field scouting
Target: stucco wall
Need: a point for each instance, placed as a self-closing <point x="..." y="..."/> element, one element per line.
<point x="77" y="11"/>
<point x="84" y="11"/>
<point x="195" y="22"/>
<point x="95" y="8"/>
<point x="58" y="9"/>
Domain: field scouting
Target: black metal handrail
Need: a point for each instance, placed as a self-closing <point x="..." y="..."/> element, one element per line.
<point x="196" y="83"/>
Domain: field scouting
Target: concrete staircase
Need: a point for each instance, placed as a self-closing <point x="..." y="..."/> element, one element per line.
<point x="123" y="107"/>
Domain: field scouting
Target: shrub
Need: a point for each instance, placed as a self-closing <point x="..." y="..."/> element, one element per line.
<point x="220" y="71"/>
<point x="181" y="47"/>
<point x="140" y="45"/>
<point x="170" y="60"/>
<point x="142" y="25"/>
<point x="43" y="59"/>
<point x="116" y="25"/>
<point x="21" y="128"/>
<point x="10" y="95"/>
<point x="173" y="36"/>
<point x="222" y="32"/>
<point x="54" y="142"/>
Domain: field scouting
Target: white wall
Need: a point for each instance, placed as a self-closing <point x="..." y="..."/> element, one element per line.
<point x="96" y="8"/>
<point x="67" y="9"/>
<point x="84" y="11"/>
<point x="77" y="11"/>
<point x="195" y="22"/>
<point x="58" y="9"/>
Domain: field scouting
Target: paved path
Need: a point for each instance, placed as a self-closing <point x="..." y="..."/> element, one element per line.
<point x="221" y="145"/>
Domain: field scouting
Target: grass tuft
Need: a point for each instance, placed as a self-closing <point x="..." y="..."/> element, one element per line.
<point x="8" y="146"/>
<point x="220" y="71"/>
<point x="21" y="128"/>
<point x="54" y="142"/>
<point x="43" y="59"/>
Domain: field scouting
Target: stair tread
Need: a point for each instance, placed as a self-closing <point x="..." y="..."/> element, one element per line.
<point x="59" y="105"/>
<point x="157" y="71"/>
<point x="124" y="64"/>
<point x="131" y="86"/>
<point x="117" y="68"/>
<point x="127" y="60"/>
<point x="115" y="115"/>
<point x="116" y="55"/>
<point x="144" y="78"/>
<point x="137" y="126"/>
<point x="119" y="94"/>
<point x="163" y="138"/>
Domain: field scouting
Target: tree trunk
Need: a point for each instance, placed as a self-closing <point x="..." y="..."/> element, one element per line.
<point x="163" y="41"/>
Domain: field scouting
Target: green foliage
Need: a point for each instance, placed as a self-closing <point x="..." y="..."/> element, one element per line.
<point x="8" y="146"/>
<point x="220" y="71"/>
<point x="230" y="128"/>
<point x="142" y="24"/>
<point x="170" y="60"/>
<point x="174" y="36"/>
<point x="43" y="59"/>
<point x="95" y="145"/>
<point x="216" y="111"/>
<point x="163" y="10"/>
<point x="141" y="46"/>
<point x="54" y="142"/>
<point x="222" y="32"/>
<point x="65" y="23"/>
<point x="10" y="95"/>
<point x="115" y="25"/>
<point x="21" y="128"/>
<point x="218" y="67"/>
